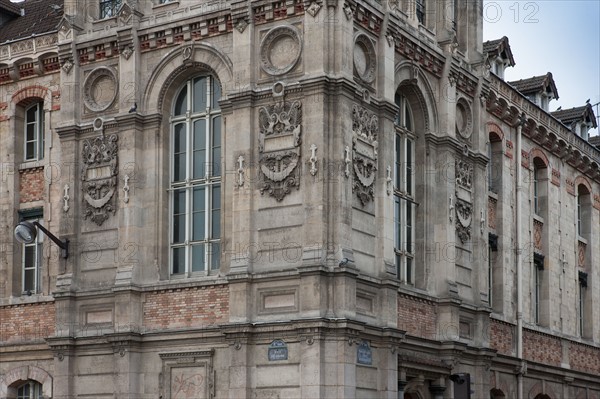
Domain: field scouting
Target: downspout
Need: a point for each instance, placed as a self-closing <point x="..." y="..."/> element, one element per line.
<point x="518" y="252"/>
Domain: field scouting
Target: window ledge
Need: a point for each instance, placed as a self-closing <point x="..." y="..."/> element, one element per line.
<point x="186" y="282"/>
<point x="582" y="240"/>
<point x="31" y="165"/>
<point x="538" y="218"/>
<point x="26" y="299"/>
<point x="493" y="195"/>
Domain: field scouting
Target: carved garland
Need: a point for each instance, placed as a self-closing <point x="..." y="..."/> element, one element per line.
<point x="279" y="147"/>
<point x="365" y="127"/>
<point x="99" y="175"/>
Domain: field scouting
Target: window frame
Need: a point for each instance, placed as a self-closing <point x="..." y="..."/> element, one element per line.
<point x="39" y="140"/>
<point x="208" y="181"/>
<point x="112" y="6"/>
<point x="404" y="192"/>
<point x="34" y="215"/>
<point x="35" y="390"/>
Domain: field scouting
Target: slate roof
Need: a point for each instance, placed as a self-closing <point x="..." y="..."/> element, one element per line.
<point x="536" y="84"/>
<point x="8" y="7"/>
<point x="576" y="114"/>
<point x="595" y="141"/>
<point x="498" y="47"/>
<point x="39" y="18"/>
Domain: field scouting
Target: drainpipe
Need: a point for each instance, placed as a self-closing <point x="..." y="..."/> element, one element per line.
<point x="518" y="253"/>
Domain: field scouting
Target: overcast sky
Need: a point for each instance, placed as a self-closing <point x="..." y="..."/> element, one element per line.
<point x="562" y="37"/>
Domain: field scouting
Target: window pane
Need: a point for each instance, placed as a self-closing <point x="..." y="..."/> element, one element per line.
<point x="180" y="145"/>
<point x="216" y="146"/>
<point x="216" y="94"/>
<point x="32" y="114"/>
<point x="200" y="95"/>
<point x="409" y="271"/>
<point x="198" y="258"/>
<point x="30" y="150"/>
<point x="181" y="103"/>
<point x="41" y="132"/>
<point x="199" y="149"/>
<point x="30" y="132"/>
<point x="409" y="227"/>
<point x="409" y="167"/>
<point x="179" y="216"/>
<point x="397" y="224"/>
<point x="178" y="260"/>
<point x="398" y="162"/>
<point x="398" y="266"/>
<point x="407" y="117"/>
<point x="215" y="255"/>
<point x="29" y="280"/>
<point x="199" y="214"/>
<point x="216" y="211"/>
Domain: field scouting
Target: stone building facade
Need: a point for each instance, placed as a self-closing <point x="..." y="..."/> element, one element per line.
<point x="285" y="199"/>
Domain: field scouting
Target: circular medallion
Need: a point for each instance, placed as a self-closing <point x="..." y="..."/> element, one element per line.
<point x="280" y="50"/>
<point x="365" y="60"/>
<point x="464" y="119"/>
<point x="100" y="89"/>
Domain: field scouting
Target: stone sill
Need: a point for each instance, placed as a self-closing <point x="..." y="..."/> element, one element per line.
<point x="538" y="218"/>
<point x="159" y="6"/>
<point x="26" y="299"/>
<point x="31" y="165"/>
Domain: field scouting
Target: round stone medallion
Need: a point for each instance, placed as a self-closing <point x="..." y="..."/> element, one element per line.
<point x="464" y="119"/>
<point x="365" y="60"/>
<point x="280" y="50"/>
<point x="100" y="89"/>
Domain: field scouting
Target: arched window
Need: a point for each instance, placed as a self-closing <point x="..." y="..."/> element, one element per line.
<point x="494" y="168"/>
<point x="30" y="390"/>
<point x="583" y="211"/>
<point x="196" y="178"/>
<point x="404" y="191"/>
<point x="34" y="132"/>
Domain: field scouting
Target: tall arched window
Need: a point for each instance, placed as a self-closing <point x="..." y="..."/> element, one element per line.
<point x="34" y="132"/>
<point x="404" y="191"/>
<point x="196" y="178"/>
<point x="30" y="390"/>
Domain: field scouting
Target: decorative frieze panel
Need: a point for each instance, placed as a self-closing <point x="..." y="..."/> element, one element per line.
<point x="187" y="375"/>
<point x="365" y="128"/>
<point x="99" y="175"/>
<point x="464" y="174"/>
<point x="365" y="59"/>
<point x="100" y="89"/>
<point x="555" y="177"/>
<point x="280" y="133"/>
<point x="570" y="186"/>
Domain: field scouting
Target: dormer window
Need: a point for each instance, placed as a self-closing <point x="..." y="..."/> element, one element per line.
<point x="109" y="8"/>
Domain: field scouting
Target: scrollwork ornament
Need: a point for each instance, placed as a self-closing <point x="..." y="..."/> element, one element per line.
<point x="279" y="147"/>
<point x="365" y="129"/>
<point x="99" y="176"/>
<point x="464" y="174"/>
<point x="464" y="216"/>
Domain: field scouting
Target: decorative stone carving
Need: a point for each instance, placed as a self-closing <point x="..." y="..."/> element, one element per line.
<point x="365" y="59"/>
<point x="100" y="89"/>
<point x="280" y="50"/>
<point x="365" y="128"/>
<point x="66" y="198"/>
<point x="347" y="161"/>
<point x="537" y="235"/>
<point x="279" y="147"/>
<point x="127" y="52"/>
<point x="186" y="53"/>
<point x="348" y="11"/>
<point x="313" y="9"/>
<point x="67" y="65"/>
<point x="241" y="25"/>
<point x="125" y="13"/>
<point x="464" y="173"/>
<point x="240" y="171"/>
<point x="313" y="159"/>
<point x="126" y="188"/>
<point x="99" y="175"/>
<point x="464" y="216"/>
<point x="464" y="119"/>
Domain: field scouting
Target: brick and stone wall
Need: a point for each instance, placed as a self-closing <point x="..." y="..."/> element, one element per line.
<point x="584" y="358"/>
<point x="186" y="307"/>
<point x="32" y="185"/>
<point x="27" y="322"/>
<point x="541" y="348"/>
<point x="501" y="337"/>
<point x="416" y="316"/>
